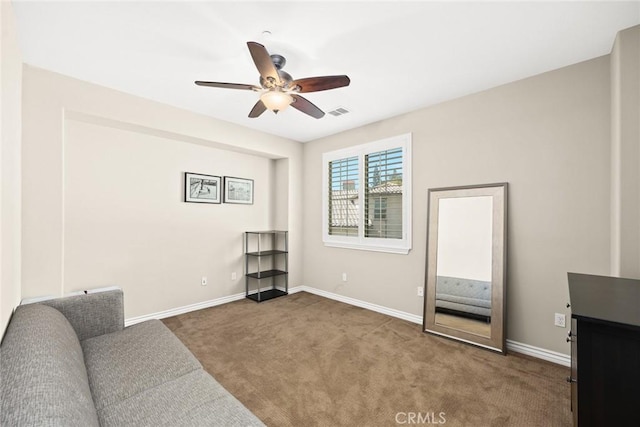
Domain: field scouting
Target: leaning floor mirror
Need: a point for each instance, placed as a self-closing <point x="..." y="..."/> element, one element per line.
<point x="466" y="264"/>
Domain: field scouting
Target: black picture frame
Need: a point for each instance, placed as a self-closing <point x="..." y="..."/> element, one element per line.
<point x="200" y="188"/>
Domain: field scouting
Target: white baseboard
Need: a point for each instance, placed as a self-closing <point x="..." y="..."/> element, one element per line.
<point x="540" y="353"/>
<point x="526" y="349"/>
<point x="517" y="347"/>
<point x="184" y="309"/>
<point x="362" y="304"/>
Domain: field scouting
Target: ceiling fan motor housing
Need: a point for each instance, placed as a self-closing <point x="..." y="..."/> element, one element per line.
<point x="279" y="62"/>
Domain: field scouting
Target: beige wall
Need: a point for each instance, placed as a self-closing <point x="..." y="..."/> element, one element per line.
<point x="10" y="221"/>
<point x="281" y="173"/>
<point x="548" y="137"/>
<point x="625" y="154"/>
<point x="102" y="193"/>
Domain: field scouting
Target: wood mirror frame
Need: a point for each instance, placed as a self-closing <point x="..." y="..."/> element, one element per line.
<point x="454" y="323"/>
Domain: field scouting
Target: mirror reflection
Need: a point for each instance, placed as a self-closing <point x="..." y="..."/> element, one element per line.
<point x="466" y="249"/>
<point x="463" y="281"/>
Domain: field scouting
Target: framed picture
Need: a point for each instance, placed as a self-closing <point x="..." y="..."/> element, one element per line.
<point x="238" y="190"/>
<point x="202" y="188"/>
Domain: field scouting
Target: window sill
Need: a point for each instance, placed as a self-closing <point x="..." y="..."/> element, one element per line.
<point x="372" y="248"/>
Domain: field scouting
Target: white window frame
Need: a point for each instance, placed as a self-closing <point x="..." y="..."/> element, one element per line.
<point x="360" y="242"/>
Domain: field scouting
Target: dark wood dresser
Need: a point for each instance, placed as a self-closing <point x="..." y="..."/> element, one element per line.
<point x="605" y="350"/>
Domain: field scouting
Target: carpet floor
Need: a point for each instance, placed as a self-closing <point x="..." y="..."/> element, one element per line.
<point x="304" y="360"/>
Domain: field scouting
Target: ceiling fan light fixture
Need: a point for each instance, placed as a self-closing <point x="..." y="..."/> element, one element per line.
<point x="276" y="100"/>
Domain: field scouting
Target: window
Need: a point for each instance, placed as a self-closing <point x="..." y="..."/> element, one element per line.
<point x="367" y="196"/>
<point x="343" y="198"/>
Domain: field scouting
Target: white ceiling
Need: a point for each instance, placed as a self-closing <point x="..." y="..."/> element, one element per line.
<point x="400" y="55"/>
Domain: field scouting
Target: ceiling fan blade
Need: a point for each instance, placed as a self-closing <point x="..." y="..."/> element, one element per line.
<point x="263" y="62"/>
<point x="257" y="109"/>
<point x="316" y="84"/>
<point x="306" y="106"/>
<point x="228" y="85"/>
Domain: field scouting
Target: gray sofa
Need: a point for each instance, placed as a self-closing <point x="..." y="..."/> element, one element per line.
<point x="463" y="296"/>
<point x="71" y="362"/>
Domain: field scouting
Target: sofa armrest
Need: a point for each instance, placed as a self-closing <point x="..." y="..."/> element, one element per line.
<point x="92" y="314"/>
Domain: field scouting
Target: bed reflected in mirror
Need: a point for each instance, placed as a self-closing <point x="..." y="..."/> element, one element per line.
<point x="465" y="264"/>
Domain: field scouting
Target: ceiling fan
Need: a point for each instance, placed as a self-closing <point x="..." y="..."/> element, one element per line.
<point x="277" y="88"/>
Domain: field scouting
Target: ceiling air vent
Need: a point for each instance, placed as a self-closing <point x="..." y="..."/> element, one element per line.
<point x="340" y="111"/>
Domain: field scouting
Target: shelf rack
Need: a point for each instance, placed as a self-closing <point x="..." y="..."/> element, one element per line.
<point x="269" y="260"/>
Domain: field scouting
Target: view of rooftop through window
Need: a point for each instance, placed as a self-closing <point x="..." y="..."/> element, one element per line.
<point x="382" y="195"/>
<point x="343" y="197"/>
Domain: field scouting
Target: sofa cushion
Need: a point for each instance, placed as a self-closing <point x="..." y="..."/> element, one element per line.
<point x="125" y="363"/>
<point x="469" y="288"/>
<point x="93" y="314"/>
<point x="195" y="399"/>
<point x="475" y="290"/>
<point x="44" y="380"/>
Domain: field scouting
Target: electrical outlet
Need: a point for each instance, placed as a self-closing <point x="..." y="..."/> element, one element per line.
<point x="203" y="282"/>
<point x="234" y="276"/>
<point x="420" y="291"/>
<point x="344" y="277"/>
<point x="559" y="320"/>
